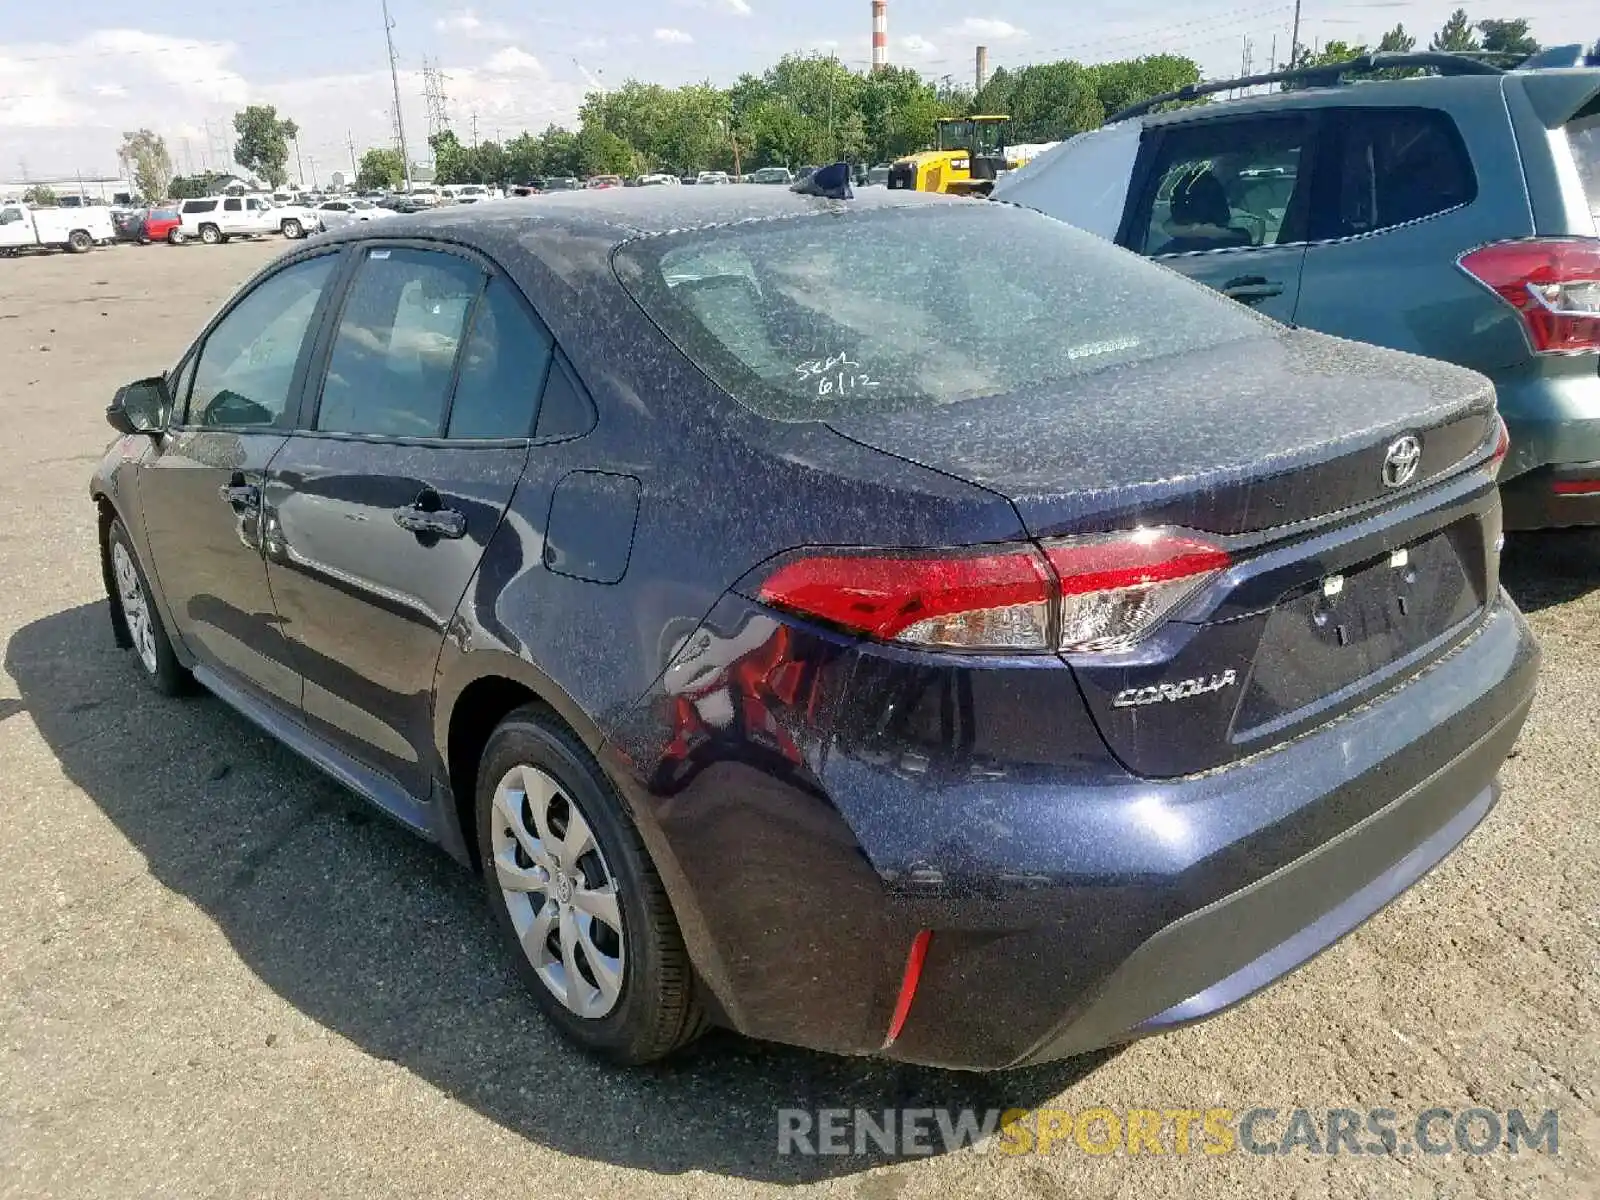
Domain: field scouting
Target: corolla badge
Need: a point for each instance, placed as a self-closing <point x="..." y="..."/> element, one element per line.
<point x="1165" y="693"/>
<point x="1401" y="460"/>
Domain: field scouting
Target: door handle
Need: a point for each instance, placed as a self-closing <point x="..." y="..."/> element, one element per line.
<point x="428" y="515"/>
<point x="238" y="494"/>
<point x="1251" y="289"/>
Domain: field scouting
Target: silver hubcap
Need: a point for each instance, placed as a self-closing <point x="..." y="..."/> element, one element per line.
<point x="135" y="608"/>
<point x="560" y="892"/>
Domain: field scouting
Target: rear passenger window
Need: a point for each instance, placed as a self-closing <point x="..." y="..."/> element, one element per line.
<point x="1222" y="185"/>
<point x="564" y="410"/>
<point x="1391" y="166"/>
<point x="502" y="370"/>
<point x="232" y="205"/>
<point x="394" y="354"/>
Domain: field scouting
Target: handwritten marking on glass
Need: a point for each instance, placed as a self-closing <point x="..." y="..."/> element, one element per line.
<point x="838" y="374"/>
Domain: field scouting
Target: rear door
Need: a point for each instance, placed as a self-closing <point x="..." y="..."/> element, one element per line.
<point x="1397" y="204"/>
<point x="1226" y="202"/>
<point x="381" y="504"/>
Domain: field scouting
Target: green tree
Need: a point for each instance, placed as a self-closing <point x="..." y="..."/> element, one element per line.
<point x="1119" y="84"/>
<point x="263" y="145"/>
<point x="451" y="160"/>
<point x="40" y="196"/>
<point x="1508" y="37"/>
<point x="381" y="168"/>
<point x="898" y="110"/>
<point x="145" y="157"/>
<point x="1456" y="34"/>
<point x="524" y="158"/>
<point x="601" y="152"/>
<point x="558" y="151"/>
<point x="192" y="187"/>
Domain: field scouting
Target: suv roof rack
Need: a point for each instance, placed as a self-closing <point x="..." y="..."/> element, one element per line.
<point x="1444" y="62"/>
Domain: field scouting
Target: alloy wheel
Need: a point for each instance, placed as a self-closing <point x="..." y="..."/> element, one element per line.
<point x="135" y="606"/>
<point x="561" y="894"/>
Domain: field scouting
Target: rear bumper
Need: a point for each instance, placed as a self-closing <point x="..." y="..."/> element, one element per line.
<point x="1071" y="904"/>
<point x="1553" y="497"/>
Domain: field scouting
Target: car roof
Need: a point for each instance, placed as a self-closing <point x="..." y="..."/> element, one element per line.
<point x="622" y="214"/>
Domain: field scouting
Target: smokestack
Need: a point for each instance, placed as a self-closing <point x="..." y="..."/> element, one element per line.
<point x="983" y="66"/>
<point x="880" y="34"/>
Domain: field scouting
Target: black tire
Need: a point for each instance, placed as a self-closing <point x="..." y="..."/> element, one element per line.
<point x="176" y="237"/>
<point x="211" y="235"/>
<point x="162" y="670"/>
<point x="657" y="1010"/>
<point x="79" y="241"/>
<point x="293" y="229"/>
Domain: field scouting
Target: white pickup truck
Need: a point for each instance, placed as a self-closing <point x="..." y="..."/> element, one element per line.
<point x="75" y="229"/>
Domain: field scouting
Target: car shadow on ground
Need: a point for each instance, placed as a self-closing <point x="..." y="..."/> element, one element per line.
<point x="384" y="941"/>
<point x="1545" y="569"/>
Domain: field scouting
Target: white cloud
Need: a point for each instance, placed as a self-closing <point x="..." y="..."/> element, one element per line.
<point x="464" y="22"/>
<point x="66" y="104"/>
<point x="987" y="27"/>
<point x="513" y="61"/>
<point x="915" y="46"/>
<point x="673" y="37"/>
<point x="738" y="8"/>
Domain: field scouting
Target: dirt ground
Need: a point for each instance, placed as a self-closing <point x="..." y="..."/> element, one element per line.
<point x="219" y="975"/>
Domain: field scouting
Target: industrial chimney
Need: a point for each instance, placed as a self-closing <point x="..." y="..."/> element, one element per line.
<point x="880" y="34"/>
<point x="983" y="66"/>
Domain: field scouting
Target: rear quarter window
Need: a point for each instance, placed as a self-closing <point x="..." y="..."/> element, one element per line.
<point x="886" y="309"/>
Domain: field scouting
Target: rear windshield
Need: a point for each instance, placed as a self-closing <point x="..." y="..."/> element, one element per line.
<point x="1584" y="134"/>
<point x="886" y="309"/>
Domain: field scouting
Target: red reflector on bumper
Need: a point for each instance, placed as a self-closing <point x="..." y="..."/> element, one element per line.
<point x="1577" y="487"/>
<point x="908" y="985"/>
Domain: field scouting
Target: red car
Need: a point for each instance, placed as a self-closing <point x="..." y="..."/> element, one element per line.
<point x="160" y="224"/>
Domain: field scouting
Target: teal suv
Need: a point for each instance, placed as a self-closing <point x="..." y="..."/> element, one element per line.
<point x="1451" y="214"/>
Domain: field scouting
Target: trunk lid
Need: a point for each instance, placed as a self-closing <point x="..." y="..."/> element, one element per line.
<point x="1342" y="581"/>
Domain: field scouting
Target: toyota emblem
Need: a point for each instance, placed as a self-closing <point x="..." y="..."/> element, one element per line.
<point x="1401" y="460"/>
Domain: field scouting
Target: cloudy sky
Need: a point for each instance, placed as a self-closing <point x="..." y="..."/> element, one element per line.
<point x="75" y="73"/>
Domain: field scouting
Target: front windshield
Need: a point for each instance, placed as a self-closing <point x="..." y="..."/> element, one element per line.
<point x="844" y="311"/>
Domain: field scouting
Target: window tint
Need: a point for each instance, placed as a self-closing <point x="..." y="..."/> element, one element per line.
<point x="1222" y="185"/>
<point x="1584" y="137"/>
<point x="502" y="370"/>
<point x="1392" y="166"/>
<point x="200" y="206"/>
<point x="844" y="312"/>
<point x="564" y="409"/>
<point x="247" y="365"/>
<point x="9" y="216"/>
<point x="232" y="205"/>
<point x="395" y="350"/>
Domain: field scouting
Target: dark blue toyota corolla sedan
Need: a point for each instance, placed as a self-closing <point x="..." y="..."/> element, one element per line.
<point x="897" y="625"/>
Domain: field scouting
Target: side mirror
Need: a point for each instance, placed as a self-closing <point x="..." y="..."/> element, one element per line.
<point x="140" y="407"/>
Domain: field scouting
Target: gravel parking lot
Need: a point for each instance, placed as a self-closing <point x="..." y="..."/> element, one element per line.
<point x="220" y="975"/>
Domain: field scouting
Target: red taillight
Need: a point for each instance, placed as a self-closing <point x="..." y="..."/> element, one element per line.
<point x="989" y="600"/>
<point x="1502" y="447"/>
<point x="1094" y="593"/>
<point x="1115" y="590"/>
<point x="1553" y="282"/>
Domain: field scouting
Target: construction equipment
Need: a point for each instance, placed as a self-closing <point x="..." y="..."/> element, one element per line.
<point x="969" y="155"/>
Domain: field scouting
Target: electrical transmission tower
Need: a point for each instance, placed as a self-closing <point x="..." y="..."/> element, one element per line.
<point x="433" y="81"/>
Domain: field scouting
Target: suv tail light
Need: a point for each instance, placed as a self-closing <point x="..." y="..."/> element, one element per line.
<point x="1553" y="282"/>
<point x="1078" y="594"/>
